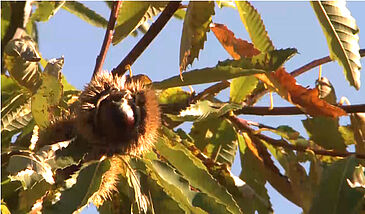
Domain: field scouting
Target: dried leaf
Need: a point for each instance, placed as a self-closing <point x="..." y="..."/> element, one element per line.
<point x="307" y="99"/>
<point x="236" y="47"/>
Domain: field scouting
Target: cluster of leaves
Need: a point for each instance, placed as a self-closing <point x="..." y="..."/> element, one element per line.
<point x="187" y="172"/>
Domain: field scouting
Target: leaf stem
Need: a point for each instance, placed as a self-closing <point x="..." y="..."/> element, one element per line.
<point x="108" y="37"/>
<point x="152" y="32"/>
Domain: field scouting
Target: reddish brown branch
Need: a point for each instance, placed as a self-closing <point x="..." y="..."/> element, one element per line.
<point x="152" y="32"/>
<point x="212" y="90"/>
<point x="108" y="36"/>
<point x="292" y="110"/>
<point x="316" y="63"/>
<point x="243" y="126"/>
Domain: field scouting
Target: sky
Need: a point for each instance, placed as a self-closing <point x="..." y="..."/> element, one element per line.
<point x="289" y="24"/>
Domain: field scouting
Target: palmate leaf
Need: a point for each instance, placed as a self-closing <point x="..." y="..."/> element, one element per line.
<point x="85" y="13"/>
<point x="334" y="194"/>
<point x="49" y="94"/>
<point x="342" y="37"/>
<point x="20" y="58"/>
<point x="179" y="189"/>
<point x="192" y="168"/>
<point x="87" y="183"/>
<point x="254" y="26"/>
<point x="132" y="15"/>
<point x="45" y="10"/>
<point x="196" y="25"/>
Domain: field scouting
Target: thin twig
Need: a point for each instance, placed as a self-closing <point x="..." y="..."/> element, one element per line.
<point x="292" y="110"/>
<point x="212" y="90"/>
<point x="243" y="126"/>
<point x="316" y="63"/>
<point x="152" y="32"/>
<point x="108" y="37"/>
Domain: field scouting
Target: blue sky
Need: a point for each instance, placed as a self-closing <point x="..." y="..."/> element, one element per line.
<point x="289" y="24"/>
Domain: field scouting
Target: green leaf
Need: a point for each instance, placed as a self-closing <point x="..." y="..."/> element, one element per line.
<point x="85" y="13"/>
<point x="326" y="91"/>
<point x="87" y="183"/>
<point x="173" y="95"/>
<point x="241" y="87"/>
<point x="16" y="119"/>
<point x="325" y="132"/>
<point x="29" y="170"/>
<point x="254" y="26"/>
<point x="347" y="134"/>
<point x="268" y="61"/>
<point x="5" y="18"/>
<point x="180" y="14"/>
<point x="225" y="3"/>
<point x="179" y="189"/>
<point x="162" y="202"/>
<point x="334" y="194"/>
<point x="49" y="94"/>
<point x="194" y="170"/>
<point x="204" y="110"/>
<point x="216" y="138"/>
<point x="20" y="58"/>
<point x="196" y="25"/>
<point x="358" y="126"/>
<point x="8" y="88"/>
<point x="46" y="9"/>
<point x="28" y="198"/>
<point x="253" y="174"/>
<point x="206" y="75"/>
<point x="342" y="37"/>
<point x="133" y="14"/>
<point x="300" y="182"/>
<point x="4" y="208"/>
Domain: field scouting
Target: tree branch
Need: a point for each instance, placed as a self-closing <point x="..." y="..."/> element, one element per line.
<point x="243" y="125"/>
<point x="152" y="32"/>
<point x="292" y="110"/>
<point x="316" y="63"/>
<point x="214" y="89"/>
<point x="108" y="37"/>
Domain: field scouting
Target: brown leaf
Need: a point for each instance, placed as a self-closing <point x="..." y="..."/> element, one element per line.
<point x="307" y="99"/>
<point x="236" y="47"/>
<point x="280" y="81"/>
